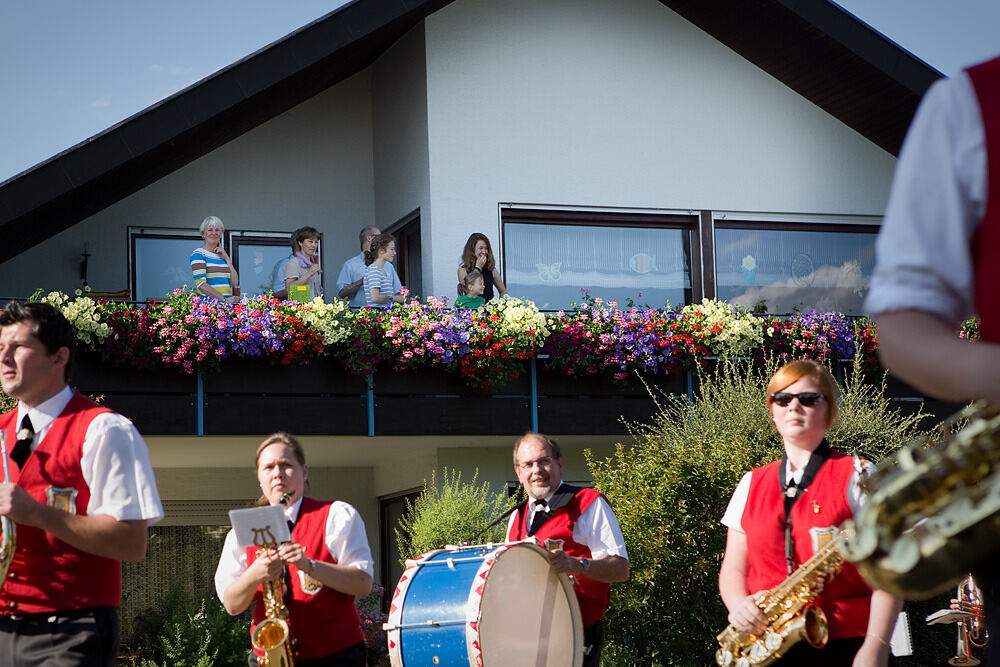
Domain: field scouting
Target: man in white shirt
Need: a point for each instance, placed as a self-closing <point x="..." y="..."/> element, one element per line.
<point x="352" y="274"/>
<point x="81" y="494"/>
<point x="593" y="546"/>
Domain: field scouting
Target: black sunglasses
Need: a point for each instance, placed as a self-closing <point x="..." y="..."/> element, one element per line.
<point x="807" y="399"/>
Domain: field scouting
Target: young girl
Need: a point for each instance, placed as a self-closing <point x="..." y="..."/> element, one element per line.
<point x="478" y="254"/>
<point x="377" y="281"/>
<point x="471" y="291"/>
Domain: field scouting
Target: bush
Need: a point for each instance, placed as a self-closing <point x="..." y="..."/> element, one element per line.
<point x="451" y="514"/>
<point x="671" y="489"/>
<point x="186" y="632"/>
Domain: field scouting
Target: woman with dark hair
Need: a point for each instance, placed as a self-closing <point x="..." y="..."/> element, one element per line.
<point x="303" y="267"/>
<point x="378" y="281"/>
<point x="478" y="254"/>
<point x="768" y="538"/>
<point x="328" y="563"/>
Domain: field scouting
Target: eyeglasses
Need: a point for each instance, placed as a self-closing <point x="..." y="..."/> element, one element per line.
<point x="807" y="399"/>
<point x="543" y="462"/>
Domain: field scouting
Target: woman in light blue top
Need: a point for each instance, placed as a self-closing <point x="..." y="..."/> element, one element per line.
<point x="213" y="271"/>
<point x="378" y="282"/>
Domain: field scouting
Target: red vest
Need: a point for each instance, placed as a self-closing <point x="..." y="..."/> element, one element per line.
<point x="986" y="244"/>
<point x="593" y="595"/>
<point x="322" y="620"/>
<point x="845" y="600"/>
<point x="47" y="574"/>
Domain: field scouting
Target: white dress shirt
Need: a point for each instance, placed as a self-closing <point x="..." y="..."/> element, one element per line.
<point x="597" y="528"/>
<point x="938" y="198"/>
<point x="346" y="541"/>
<point x="115" y="461"/>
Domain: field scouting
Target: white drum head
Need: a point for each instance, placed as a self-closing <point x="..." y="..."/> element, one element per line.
<point x="529" y="615"/>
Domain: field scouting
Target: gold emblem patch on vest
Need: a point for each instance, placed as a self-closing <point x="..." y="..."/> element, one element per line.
<point x="820" y="537"/>
<point x="62" y="499"/>
<point x="309" y="585"/>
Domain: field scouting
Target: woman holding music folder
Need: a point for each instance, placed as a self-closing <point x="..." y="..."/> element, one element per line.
<point x="327" y="563"/>
<point x="769" y="536"/>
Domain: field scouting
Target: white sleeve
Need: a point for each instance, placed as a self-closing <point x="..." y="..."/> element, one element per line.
<point x="232" y="563"/>
<point x="856" y="498"/>
<point x="346" y="539"/>
<point x="733" y="518"/>
<point x="115" y="465"/>
<point x="923" y="257"/>
<point x="598" y="528"/>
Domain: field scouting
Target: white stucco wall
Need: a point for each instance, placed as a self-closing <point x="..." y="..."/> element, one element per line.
<point x="619" y="103"/>
<point x="399" y="120"/>
<point x="309" y="166"/>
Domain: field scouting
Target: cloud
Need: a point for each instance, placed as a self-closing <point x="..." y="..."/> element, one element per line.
<point x="156" y="68"/>
<point x="100" y="103"/>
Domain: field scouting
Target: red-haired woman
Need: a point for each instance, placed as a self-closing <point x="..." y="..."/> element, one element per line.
<point x="824" y="483"/>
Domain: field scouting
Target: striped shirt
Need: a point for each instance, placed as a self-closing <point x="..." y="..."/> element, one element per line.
<point x="207" y="267"/>
<point x="376" y="277"/>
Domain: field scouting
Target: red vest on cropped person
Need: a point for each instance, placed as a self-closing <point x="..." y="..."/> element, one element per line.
<point x="985" y="79"/>
<point x="327" y="621"/>
<point x="847" y="599"/>
<point x="593" y="595"/>
<point x="47" y="574"/>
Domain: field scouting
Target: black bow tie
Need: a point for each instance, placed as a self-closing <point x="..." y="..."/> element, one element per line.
<point x="541" y="516"/>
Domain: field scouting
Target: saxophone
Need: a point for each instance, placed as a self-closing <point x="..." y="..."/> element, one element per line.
<point x="933" y="512"/>
<point x="9" y="543"/>
<point x="271" y="634"/>
<point x="790" y="612"/>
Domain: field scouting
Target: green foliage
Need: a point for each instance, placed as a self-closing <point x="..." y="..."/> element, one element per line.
<point x="7" y="403"/>
<point x="451" y="513"/>
<point x="190" y="633"/>
<point x="672" y="487"/>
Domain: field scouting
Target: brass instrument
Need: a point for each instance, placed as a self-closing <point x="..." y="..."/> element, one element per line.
<point x="790" y="612"/>
<point x="933" y="512"/>
<point x="9" y="539"/>
<point x="970" y="630"/>
<point x="272" y="634"/>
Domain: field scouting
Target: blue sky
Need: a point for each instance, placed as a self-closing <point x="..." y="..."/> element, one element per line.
<point x="72" y="68"/>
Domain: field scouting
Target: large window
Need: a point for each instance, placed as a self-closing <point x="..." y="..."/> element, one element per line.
<point x="161" y="261"/>
<point x="778" y="268"/>
<point x="549" y="256"/>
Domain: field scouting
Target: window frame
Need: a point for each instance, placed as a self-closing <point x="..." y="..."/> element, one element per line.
<point x="539" y="215"/>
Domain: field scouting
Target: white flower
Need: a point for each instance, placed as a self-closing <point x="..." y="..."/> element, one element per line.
<point x="749" y="263"/>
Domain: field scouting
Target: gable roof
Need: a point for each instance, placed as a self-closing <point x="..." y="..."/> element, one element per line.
<point x="814" y="47"/>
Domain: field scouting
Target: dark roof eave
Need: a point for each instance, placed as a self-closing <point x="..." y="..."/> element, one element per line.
<point x="824" y="54"/>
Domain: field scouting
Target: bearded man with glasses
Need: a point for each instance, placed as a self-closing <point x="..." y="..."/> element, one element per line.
<point x="593" y="549"/>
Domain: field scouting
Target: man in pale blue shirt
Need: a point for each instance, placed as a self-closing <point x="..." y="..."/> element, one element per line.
<point x="352" y="274"/>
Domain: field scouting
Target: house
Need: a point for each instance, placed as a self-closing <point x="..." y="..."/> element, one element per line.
<point x="740" y="149"/>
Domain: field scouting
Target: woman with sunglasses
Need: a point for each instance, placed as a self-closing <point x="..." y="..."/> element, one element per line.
<point x="802" y="399"/>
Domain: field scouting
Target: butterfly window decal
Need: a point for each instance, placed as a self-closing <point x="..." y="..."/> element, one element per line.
<point x="549" y="273"/>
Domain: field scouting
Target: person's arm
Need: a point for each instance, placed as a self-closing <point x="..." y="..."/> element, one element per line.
<point x="294" y="275"/>
<point x="238" y="595"/>
<point x="344" y="578"/>
<point x="461" y="275"/>
<point x="744" y="614"/>
<point x="351" y="289"/>
<point x="874" y="652"/>
<point x="923" y="350"/>
<point x="498" y="283"/>
<point x="234" y="278"/>
<point x="607" y="568"/>
<point x="100" y="534"/>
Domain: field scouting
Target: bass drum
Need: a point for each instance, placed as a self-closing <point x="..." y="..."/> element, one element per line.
<point x="484" y="606"/>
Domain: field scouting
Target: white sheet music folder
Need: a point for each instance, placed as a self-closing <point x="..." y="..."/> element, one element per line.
<point x="260" y="526"/>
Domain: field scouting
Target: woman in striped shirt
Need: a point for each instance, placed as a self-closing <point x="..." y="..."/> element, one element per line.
<point x="214" y="274"/>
